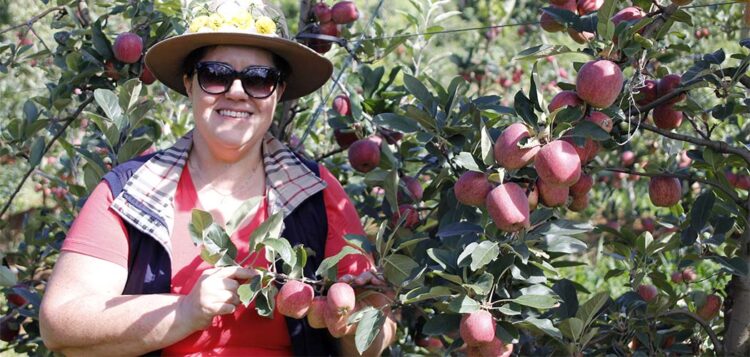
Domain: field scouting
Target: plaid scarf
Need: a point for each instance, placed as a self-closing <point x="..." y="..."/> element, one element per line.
<point x="147" y="199"/>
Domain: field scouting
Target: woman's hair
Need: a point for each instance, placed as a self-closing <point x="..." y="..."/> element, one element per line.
<point x="188" y="66"/>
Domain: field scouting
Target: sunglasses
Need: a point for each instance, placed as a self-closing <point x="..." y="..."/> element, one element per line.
<point x="217" y="77"/>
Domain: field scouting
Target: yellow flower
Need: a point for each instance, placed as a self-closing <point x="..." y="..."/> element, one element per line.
<point x="215" y="22"/>
<point x="243" y="21"/>
<point x="198" y="23"/>
<point x="265" y="26"/>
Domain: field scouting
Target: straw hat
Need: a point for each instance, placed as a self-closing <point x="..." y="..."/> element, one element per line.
<point x="245" y="23"/>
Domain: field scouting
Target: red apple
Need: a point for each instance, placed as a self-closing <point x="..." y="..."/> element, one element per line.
<point x="477" y="328"/>
<point x="549" y="23"/>
<point x="711" y="308"/>
<point x="322" y="12"/>
<point x="599" y="83"/>
<point x="345" y="137"/>
<point x="689" y="275"/>
<point x="628" y="14"/>
<point x="364" y="155"/>
<point x="647" y="292"/>
<point x="552" y="195"/>
<point x="342" y="105"/>
<point x="664" y="191"/>
<point x="627" y="158"/>
<point x="558" y="163"/>
<point x="587" y="151"/>
<point x="146" y="76"/>
<point x="344" y="12"/>
<point x="579" y="203"/>
<point x="582" y="186"/>
<point x="601" y="119"/>
<point x="580" y="36"/>
<point x="329" y="28"/>
<point x="472" y="188"/>
<point x="589" y="6"/>
<point x="508" y="207"/>
<point x="565" y="98"/>
<point x="294" y="299"/>
<point x="676" y="277"/>
<point x="665" y="117"/>
<point x="648" y="91"/>
<point x="507" y="152"/>
<point x="667" y="85"/>
<point x="411" y="213"/>
<point x="316" y="313"/>
<point x="128" y="47"/>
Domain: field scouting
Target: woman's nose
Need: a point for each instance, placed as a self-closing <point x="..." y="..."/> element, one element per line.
<point x="236" y="91"/>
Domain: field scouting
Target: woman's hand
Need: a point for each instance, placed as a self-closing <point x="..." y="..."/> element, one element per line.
<point x="215" y="293"/>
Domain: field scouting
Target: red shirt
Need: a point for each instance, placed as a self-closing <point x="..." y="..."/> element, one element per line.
<point x="99" y="232"/>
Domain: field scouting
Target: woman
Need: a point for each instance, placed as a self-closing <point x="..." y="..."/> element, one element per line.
<point x="129" y="279"/>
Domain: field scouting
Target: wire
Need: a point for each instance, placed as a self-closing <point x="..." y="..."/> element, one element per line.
<point x="467" y="29"/>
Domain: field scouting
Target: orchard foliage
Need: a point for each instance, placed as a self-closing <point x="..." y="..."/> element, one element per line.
<point x="580" y="187"/>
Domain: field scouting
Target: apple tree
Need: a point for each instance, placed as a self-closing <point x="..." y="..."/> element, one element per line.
<point x="562" y="177"/>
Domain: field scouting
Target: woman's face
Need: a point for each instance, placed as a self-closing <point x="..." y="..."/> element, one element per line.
<point x="233" y="122"/>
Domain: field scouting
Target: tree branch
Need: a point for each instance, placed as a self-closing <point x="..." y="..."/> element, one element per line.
<point x="69" y="120"/>
<point x="329" y="154"/>
<point x="34" y="19"/>
<point x="731" y="194"/>
<point x="719" y="146"/>
<point x="718" y="347"/>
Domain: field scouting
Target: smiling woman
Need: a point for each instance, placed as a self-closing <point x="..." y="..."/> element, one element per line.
<point x="129" y="277"/>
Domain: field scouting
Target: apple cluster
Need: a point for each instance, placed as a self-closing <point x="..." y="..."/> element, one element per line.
<point x="327" y="21"/>
<point x="296" y="300"/>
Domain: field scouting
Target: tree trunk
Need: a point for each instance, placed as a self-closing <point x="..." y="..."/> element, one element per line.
<point x="737" y="337"/>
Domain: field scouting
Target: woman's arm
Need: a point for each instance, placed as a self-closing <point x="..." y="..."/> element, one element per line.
<point x="83" y="311"/>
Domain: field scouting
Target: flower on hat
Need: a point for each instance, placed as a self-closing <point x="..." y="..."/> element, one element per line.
<point x="252" y="17"/>
<point x="265" y="26"/>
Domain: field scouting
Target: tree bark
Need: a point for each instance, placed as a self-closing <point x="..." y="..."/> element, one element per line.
<point x="737" y="336"/>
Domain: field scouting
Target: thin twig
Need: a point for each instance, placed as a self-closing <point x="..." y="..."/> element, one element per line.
<point x="329" y="154"/>
<point x="59" y="133"/>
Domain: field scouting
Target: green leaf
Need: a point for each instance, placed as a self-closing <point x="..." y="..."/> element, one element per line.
<point x="133" y="147"/>
<point x="587" y="129"/>
<point x="541" y="51"/>
<point x="7" y="276"/>
<point x="368" y="328"/>
<point x="271" y="227"/>
<point x="564" y="244"/>
<point x="108" y="101"/>
<point x="606" y="29"/>
<point x="536" y="301"/>
<point x="441" y="324"/>
<point x="701" y="211"/>
<point x="572" y="327"/>
<point x="282" y="247"/>
<point x="543" y="325"/>
<point x="37" y="151"/>
<point x="391" y="189"/>
<point x="488" y="153"/>
<point x="588" y="311"/>
<point x="525" y="108"/>
<point x="465" y="160"/>
<point x="199" y="221"/>
<point x="399" y="268"/>
<point x="418" y="90"/>
<point x="484" y="254"/>
<point x="241" y="213"/>
<point x="459" y="228"/>
<point x="396" y="122"/>
<point x="735" y="266"/>
<point x="424" y="293"/>
<point x="463" y="304"/>
<point x="266" y="301"/>
<point x="327" y="267"/>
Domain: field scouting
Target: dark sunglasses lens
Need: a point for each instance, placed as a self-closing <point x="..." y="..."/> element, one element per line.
<point x="214" y="78"/>
<point x="260" y="82"/>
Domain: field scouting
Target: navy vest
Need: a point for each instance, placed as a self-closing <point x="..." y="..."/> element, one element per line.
<point x="149" y="265"/>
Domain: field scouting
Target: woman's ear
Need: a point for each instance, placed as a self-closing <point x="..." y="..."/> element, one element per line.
<point x="188" y="83"/>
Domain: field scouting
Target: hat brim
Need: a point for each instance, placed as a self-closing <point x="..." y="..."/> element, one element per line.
<point x="309" y="70"/>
